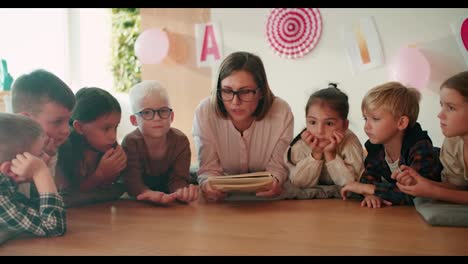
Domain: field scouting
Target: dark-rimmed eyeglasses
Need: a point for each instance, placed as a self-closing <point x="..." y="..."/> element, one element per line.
<point x="148" y="113"/>
<point x="245" y="95"/>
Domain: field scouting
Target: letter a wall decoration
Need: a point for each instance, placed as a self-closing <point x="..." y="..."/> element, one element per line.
<point x="209" y="45"/>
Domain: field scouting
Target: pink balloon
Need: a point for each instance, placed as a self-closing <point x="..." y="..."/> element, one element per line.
<point x="152" y="46"/>
<point x="411" y="68"/>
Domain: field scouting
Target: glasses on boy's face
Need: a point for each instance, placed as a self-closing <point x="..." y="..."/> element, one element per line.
<point x="245" y="95"/>
<point x="148" y="113"/>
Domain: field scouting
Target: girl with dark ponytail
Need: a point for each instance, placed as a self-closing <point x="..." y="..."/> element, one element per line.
<point x="326" y="152"/>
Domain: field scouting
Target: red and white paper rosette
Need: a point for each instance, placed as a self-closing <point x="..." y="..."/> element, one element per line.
<point x="293" y="32"/>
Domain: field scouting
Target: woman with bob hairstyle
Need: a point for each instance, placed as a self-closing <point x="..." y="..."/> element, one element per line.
<point x="242" y="127"/>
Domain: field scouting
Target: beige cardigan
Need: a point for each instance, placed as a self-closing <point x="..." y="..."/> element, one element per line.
<point x="451" y="156"/>
<point x="308" y="172"/>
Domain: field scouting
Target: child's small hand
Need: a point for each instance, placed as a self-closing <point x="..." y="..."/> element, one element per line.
<point x="187" y="194"/>
<point x="307" y="137"/>
<point x="351" y="186"/>
<point x="120" y="157"/>
<point x="419" y="186"/>
<point x="112" y="163"/>
<point x="403" y="176"/>
<point x="373" y="201"/>
<point x="27" y="166"/>
<point x="357" y="187"/>
<point x="335" y="140"/>
<point x="313" y="142"/>
<point x="157" y="197"/>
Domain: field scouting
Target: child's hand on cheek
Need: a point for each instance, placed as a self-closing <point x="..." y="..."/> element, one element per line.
<point x="330" y="149"/>
<point x="307" y="137"/>
<point x="314" y="144"/>
<point x="26" y="166"/>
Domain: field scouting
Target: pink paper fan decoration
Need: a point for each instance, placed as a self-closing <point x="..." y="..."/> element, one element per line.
<point x="293" y="32"/>
<point x="464" y="33"/>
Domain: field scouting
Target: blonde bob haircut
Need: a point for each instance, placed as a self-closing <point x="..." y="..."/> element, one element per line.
<point x="244" y="61"/>
<point x="395" y="98"/>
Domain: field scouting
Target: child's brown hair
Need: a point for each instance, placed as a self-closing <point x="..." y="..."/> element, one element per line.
<point x="458" y="82"/>
<point x="244" y="61"/>
<point x="17" y="134"/>
<point x="31" y="91"/>
<point x="333" y="97"/>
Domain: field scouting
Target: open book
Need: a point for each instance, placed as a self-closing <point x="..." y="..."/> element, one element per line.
<point x="248" y="182"/>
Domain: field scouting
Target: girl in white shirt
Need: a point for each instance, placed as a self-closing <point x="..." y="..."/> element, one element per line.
<point x="242" y="127"/>
<point x="326" y="152"/>
<point x="454" y="152"/>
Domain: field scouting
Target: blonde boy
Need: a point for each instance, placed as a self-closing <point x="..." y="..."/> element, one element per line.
<point x="395" y="138"/>
<point x="158" y="155"/>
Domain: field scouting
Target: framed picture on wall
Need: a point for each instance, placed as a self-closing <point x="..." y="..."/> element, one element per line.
<point x="362" y="44"/>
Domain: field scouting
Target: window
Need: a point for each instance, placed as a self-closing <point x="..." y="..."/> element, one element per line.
<point x="34" y="38"/>
<point x="72" y="43"/>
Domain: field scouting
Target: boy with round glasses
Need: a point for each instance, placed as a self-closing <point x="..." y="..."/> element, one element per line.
<point x="158" y="156"/>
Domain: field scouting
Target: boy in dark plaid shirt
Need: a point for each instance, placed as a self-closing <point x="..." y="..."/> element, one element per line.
<point x="395" y="138"/>
<point x="21" y="148"/>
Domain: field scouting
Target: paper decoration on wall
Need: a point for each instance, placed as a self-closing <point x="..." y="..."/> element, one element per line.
<point x="460" y="29"/>
<point x="293" y="32"/>
<point x="209" y="45"/>
<point x="410" y="67"/>
<point x="5" y="77"/>
<point x="363" y="45"/>
<point x="152" y="46"/>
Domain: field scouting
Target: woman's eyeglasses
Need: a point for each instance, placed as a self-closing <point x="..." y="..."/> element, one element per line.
<point x="245" y="95"/>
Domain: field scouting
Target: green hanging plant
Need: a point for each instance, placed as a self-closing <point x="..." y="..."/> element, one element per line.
<point x="125" y="66"/>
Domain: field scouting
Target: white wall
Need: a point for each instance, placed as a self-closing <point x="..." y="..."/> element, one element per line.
<point x="91" y="42"/>
<point x="295" y="80"/>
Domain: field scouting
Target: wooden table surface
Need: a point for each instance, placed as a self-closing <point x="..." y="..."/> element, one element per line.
<point x="292" y="227"/>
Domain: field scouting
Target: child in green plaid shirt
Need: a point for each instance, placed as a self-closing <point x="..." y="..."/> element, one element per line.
<point x="21" y="160"/>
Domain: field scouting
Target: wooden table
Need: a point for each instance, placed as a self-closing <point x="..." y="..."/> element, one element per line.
<point x="306" y="227"/>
